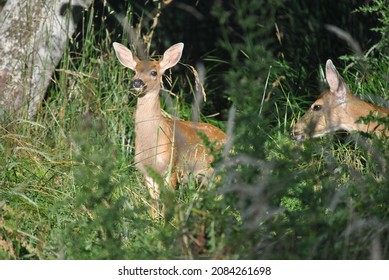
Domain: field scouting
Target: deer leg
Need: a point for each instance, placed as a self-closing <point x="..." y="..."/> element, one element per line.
<point x="155" y="195"/>
<point x="173" y="180"/>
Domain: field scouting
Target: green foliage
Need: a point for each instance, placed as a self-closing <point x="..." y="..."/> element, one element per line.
<point x="380" y="9"/>
<point x="247" y="43"/>
<point x="70" y="189"/>
<point x="294" y="201"/>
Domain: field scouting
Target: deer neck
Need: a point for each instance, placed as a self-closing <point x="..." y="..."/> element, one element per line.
<point x="152" y="136"/>
<point x="148" y="121"/>
<point x="148" y="109"/>
<point x="357" y="108"/>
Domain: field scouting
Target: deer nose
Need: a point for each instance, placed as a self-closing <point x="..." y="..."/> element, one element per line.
<point x="297" y="136"/>
<point x="138" y="84"/>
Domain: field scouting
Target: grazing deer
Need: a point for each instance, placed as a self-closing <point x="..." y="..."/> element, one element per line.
<point x="172" y="148"/>
<point x="338" y="109"/>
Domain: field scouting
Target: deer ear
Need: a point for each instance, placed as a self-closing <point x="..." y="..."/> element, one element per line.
<point x="125" y="56"/>
<point x="171" y="56"/>
<point x="335" y="81"/>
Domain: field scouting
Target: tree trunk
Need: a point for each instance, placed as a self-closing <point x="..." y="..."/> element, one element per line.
<point x="33" y="36"/>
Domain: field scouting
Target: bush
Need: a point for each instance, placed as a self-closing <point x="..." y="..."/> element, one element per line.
<point x="70" y="189"/>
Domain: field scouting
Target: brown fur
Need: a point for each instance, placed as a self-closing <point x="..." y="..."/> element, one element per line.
<point x="172" y="148"/>
<point x="339" y="110"/>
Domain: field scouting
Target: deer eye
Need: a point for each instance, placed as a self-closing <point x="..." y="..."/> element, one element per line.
<point x="316" y="107"/>
<point x="154" y="73"/>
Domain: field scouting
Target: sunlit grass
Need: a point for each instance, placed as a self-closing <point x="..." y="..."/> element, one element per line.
<point x="70" y="190"/>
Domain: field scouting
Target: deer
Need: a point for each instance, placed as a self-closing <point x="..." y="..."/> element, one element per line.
<point x="337" y="109"/>
<point x="172" y="148"/>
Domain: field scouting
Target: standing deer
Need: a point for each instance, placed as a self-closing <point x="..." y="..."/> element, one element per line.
<point x="338" y="109"/>
<point x="172" y="148"/>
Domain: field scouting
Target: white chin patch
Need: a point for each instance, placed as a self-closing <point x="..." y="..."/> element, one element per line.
<point x="320" y="134"/>
<point x="300" y="138"/>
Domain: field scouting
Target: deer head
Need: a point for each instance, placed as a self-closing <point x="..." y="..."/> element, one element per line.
<point x="336" y="109"/>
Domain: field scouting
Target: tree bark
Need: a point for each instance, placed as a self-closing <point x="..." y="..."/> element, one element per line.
<point x="33" y="37"/>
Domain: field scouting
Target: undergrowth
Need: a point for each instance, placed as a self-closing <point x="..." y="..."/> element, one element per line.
<point x="70" y="190"/>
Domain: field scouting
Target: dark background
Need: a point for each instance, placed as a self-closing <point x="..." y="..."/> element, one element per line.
<point x="303" y="42"/>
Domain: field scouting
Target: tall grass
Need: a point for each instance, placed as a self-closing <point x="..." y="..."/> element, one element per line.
<point x="69" y="188"/>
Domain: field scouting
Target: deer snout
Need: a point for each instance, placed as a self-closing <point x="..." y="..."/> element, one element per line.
<point x="297" y="134"/>
<point x="138" y="84"/>
<point x="297" y="137"/>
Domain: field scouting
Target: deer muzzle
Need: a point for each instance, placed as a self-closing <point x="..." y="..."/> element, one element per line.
<point x="138" y="84"/>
